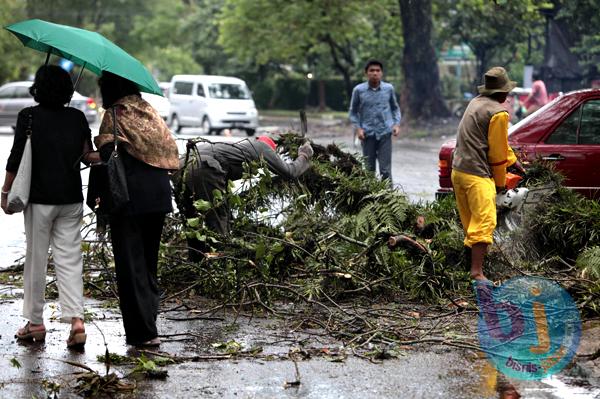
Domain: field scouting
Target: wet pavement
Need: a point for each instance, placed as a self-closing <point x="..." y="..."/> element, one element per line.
<point x="330" y="372"/>
<point x="421" y="372"/>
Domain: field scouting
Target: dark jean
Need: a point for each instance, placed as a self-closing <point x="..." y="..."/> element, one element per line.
<point x="381" y="151"/>
<point x="136" y="241"/>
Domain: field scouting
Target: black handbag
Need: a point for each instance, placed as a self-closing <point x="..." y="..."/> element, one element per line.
<point x="117" y="178"/>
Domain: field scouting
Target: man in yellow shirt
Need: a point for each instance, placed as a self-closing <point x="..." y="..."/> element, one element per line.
<point x="481" y="157"/>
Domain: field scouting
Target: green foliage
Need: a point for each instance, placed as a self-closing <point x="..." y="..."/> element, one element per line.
<point x="52" y="388"/>
<point x="566" y="223"/>
<point x="321" y="37"/>
<point x="582" y="20"/>
<point x="374" y="218"/>
<point x="16" y="62"/>
<point x="14" y="362"/>
<point x="265" y="30"/>
<point x="589" y="263"/>
<point x="325" y="234"/>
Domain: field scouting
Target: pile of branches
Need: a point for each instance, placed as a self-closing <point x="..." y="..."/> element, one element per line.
<point x="325" y="235"/>
<point x="339" y="233"/>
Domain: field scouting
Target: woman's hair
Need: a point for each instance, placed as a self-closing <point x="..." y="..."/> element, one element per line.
<point x="113" y="88"/>
<point x="52" y="86"/>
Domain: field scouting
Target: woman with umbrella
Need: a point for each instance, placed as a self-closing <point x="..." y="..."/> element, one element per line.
<point x="148" y="152"/>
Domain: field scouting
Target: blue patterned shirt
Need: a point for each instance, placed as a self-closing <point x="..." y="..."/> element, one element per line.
<point x="374" y="110"/>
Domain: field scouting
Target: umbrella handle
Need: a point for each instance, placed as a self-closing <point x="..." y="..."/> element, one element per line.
<point x="79" y="76"/>
<point x="48" y="56"/>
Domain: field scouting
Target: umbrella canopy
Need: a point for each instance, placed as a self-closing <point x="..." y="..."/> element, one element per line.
<point x="88" y="49"/>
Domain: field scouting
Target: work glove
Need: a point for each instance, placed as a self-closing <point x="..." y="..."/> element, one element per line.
<point x="306" y="150"/>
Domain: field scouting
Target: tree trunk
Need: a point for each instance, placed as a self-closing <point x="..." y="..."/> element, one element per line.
<point x="321" y="91"/>
<point x="342" y="61"/>
<point x="421" y="75"/>
<point x="482" y="60"/>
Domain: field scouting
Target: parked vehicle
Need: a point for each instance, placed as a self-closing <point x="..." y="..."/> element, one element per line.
<point x="565" y="132"/>
<point x="211" y="102"/>
<point x="15" y="96"/>
<point x="161" y="104"/>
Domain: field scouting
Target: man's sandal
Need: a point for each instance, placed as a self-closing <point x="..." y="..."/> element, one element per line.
<point x="27" y="334"/>
<point x="77" y="338"/>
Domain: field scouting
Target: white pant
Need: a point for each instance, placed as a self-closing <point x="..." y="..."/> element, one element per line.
<point x="58" y="226"/>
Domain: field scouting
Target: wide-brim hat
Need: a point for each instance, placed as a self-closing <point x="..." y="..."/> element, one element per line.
<point x="496" y="81"/>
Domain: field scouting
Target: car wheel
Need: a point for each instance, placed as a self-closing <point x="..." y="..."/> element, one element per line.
<point x="175" y="125"/>
<point x="250" y="132"/>
<point x="206" y="126"/>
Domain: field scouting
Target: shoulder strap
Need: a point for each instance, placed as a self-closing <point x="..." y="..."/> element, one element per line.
<point x="114" y="113"/>
<point x="29" y="129"/>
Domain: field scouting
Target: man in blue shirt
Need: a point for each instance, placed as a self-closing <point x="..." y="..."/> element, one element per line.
<point x="375" y="114"/>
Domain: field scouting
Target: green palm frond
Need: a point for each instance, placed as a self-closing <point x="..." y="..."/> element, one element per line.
<point x="386" y="211"/>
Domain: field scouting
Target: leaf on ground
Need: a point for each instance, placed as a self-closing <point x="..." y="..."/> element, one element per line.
<point x="15" y="363"/>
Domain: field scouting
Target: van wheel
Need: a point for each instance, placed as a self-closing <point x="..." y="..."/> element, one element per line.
<point x="250" y="132"/>
<point x="175" y="125"/>
<point x="206" y="129"/>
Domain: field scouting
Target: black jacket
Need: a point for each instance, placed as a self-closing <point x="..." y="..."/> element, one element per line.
<point x="149" y="187"/>
<point x="57" y="144"/>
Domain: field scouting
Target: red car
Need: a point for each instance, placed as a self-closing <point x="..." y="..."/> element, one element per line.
<point x="565" y="132"/>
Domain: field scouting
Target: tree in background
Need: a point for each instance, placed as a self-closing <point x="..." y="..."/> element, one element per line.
<point x="264" y="41"/>
<point x="422" y="92"/>
<point x="148" y="29"/>
<point x="284" y="33"/>
<point x="582" y="20"/>
<point x="162" y="40"/>
<point x="16" y="63"/>
<point x="201" y="28"/>
<point x="494" y="30"/>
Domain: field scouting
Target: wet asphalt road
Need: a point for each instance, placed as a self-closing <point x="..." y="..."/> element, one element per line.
<point x="432" y="372"/>
<point x="421" y="372"/>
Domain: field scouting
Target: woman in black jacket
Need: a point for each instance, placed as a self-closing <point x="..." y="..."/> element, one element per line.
<point x="53" y="218"/>
<point x="148" y="152"/>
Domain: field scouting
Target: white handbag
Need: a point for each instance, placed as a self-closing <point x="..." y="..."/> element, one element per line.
<point x="18" y="197"/>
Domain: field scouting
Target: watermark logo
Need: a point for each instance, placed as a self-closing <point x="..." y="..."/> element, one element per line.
<point x="529" y="327"/>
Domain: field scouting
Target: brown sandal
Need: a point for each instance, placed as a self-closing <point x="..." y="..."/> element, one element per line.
<point x="26" y="334"/>
<point x="77" y="338"/>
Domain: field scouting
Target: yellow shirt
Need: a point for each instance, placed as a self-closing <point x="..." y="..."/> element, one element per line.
<point x="500" y="155"/>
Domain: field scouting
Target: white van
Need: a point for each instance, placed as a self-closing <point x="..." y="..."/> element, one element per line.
<point x="211" y="102"/>
<point x="160" y="104"/>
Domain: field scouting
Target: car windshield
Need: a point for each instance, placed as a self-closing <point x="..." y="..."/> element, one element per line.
<point x="228" y="91"/>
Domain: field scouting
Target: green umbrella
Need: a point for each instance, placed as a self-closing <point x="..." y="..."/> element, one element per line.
<point x="88" y="49"/>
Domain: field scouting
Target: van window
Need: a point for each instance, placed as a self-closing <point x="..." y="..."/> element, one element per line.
<point x="228" y="91"/>
<point x="184" y="88"/>
<point x="200" y="90"/>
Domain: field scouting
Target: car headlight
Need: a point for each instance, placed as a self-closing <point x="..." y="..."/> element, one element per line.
<point x="252" y="112"/>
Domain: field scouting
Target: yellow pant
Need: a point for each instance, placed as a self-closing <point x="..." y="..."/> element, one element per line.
<point x="476" y="202"/>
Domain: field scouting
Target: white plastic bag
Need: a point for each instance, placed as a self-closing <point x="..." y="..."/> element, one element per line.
<point x="18" y="197"/>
